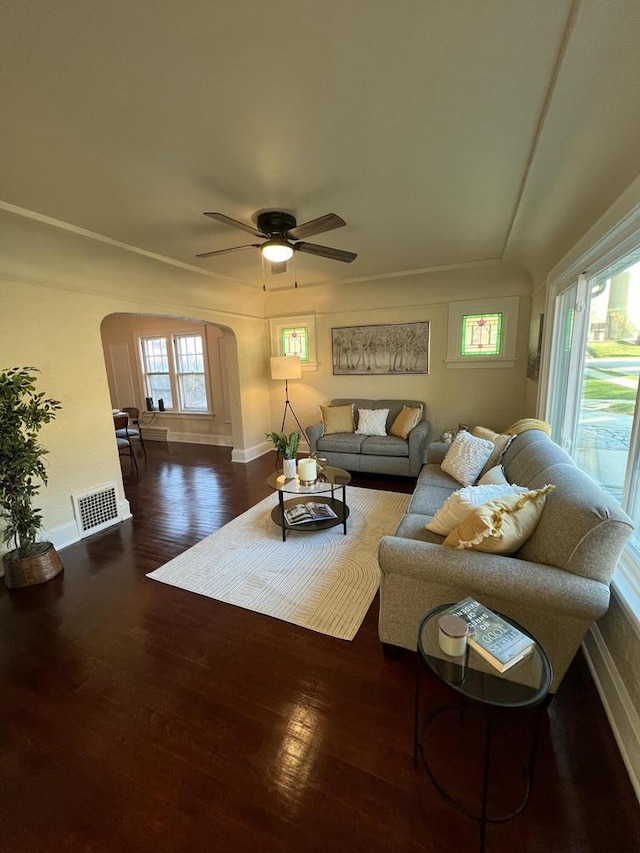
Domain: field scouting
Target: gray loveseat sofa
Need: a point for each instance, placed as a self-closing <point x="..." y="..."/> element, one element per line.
<point x="385" y="454"/>
<point x="556" y="585"/>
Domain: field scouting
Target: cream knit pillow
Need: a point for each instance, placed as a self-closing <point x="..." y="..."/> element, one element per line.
<point x="466" y="457"/>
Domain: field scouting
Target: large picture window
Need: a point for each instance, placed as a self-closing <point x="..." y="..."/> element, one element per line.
<point x="174" y="371"/>
<point x="593" y="387"/>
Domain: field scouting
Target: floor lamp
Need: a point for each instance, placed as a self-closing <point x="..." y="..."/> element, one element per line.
<point x="287" y="367"/>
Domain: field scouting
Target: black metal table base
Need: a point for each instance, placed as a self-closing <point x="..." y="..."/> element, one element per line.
<point x="338" y="506"/>
<point x="419" y="752"/>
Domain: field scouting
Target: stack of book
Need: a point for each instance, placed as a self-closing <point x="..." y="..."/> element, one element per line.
<point x="499" y="642"/>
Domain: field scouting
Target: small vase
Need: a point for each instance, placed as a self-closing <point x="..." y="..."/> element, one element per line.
<point x="289" y="468"/>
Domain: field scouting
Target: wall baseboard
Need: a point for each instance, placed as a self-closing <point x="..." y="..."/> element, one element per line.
<point x="251" y="453"/>
<point x="200" y="438"/>
<point x="622" y="716"/>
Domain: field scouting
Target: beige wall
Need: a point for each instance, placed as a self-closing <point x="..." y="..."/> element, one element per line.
<point x="491" y="397"/>
<point x="56" y="288"/>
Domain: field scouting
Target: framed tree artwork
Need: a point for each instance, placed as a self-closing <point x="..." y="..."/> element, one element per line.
<point x="389" y="349"/>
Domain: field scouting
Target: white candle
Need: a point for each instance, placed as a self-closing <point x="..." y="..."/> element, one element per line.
<point x="307" y="470"/>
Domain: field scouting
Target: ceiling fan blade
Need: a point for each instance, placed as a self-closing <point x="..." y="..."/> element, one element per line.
<point x="278" y="267"/>
<point x="316" y="226"/>
<point x="226" y="220"/>
<point x="326" y="252"/>
<point x="232" y="249"/>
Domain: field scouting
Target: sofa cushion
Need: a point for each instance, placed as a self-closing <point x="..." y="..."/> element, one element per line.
<point x="458" y="505"/>
<point x="394" y="406"/>
<point x="466" y="457"/>
<point x="337" y="419"/>
<point x="500" y="526"/>
<point x="341" y="442"/>
<point x="408" y="418"/>
<point x="372" y="421"/>
<point x="500" y="444"/>
<point x="412" y="527"/>
<point x="388" y="445"/>
<point x="427" y="500"/>
<point x="530" y="455"/>
<point x="581" y="526"/>
<point x="494" y="476"/>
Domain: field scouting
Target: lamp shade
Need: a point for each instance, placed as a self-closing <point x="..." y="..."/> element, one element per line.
<point x="286" y="367"/>
<point x="276" y="250"/>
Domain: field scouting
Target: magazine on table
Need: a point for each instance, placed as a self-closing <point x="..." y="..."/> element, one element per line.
<point x="494" y="638"/>
<point x="309" y="511"/>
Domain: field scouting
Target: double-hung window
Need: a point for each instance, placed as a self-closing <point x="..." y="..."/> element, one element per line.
<point x="174" y="371"/>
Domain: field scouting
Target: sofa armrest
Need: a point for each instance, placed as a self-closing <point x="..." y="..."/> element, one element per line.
<point x="314" y="432"/>
<point x="417" y="440"/>
<point x="507" y="578"/>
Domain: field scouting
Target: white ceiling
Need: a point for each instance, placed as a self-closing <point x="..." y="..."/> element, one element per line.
<point x="444" y="133"/>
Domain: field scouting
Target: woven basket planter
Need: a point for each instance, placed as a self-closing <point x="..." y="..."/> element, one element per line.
<point x="27" y="571"/>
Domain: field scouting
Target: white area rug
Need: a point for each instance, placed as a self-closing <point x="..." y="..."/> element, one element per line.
<point x="321" y="580"/>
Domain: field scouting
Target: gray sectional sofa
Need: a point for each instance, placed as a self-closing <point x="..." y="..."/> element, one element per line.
<point x="556" y="585"/>
<point x="374" y="454"/>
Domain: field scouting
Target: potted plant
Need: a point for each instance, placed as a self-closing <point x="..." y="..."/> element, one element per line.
<point x="287" y="447"/>
<point x="23" y="413"/>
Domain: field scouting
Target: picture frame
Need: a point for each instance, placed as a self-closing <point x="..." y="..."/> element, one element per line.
<point x="536" y="329"/>
<point x="386" y="349"/>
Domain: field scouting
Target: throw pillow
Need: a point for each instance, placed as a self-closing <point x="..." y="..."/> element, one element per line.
<point x="337" y="419"/>
<point x="500" y="526"/>
<point x="494" y="476"/>
<point x="500" y="441"/>
<point x="458" y="505"/>
<point x="405" y="421"/>
<point x="372" y="421"/>
<point x="466" y="457"/>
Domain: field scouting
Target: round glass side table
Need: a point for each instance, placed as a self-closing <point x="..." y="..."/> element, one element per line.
<point x="525" y="685"/>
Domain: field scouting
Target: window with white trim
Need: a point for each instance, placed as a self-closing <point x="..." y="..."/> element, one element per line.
<point x="483" y="333"/>
<point x="174" y="370"/>
<point x="595" y="368"/>
<point x="295" y="336"/>
<point x="589" y="391"/>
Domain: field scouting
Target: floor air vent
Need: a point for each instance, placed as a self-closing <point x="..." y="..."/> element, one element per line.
<point x="96" y="510"/>
<point x="151" y="433"/>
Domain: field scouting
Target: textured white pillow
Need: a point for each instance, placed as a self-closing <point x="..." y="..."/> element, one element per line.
<point x="461" y="503"/>
<point x="466" y="457"/>
<point x="372" y="421"/>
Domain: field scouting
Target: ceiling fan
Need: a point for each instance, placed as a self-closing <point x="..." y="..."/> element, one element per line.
<point x="284" y="236"/>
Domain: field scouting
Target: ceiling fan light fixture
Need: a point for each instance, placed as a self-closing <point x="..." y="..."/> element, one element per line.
<point x="277" y="251"/>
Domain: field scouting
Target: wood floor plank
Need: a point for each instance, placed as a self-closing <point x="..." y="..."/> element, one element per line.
<point x="140" y="717"/>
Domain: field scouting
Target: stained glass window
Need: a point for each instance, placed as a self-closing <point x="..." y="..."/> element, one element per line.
<point x="295" y="341"/>
<point x="481" y="334"/>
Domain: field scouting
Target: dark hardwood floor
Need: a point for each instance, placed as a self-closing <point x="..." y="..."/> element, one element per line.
<point x="139" y="717"/>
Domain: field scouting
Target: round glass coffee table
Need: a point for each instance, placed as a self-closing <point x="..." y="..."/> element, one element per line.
<point x="321" y="493"/>
<point x="525" y="685"/>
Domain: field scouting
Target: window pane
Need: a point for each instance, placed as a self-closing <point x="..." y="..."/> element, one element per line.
<point x="192" y="392"/>
<point x="154" y="352"/>
<point x="159" y="386"/>
<point x="481" y="334"/>
<point x="189" y="354"/>
<point x="610" y="379"/>
<point x="295" y="341"/>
